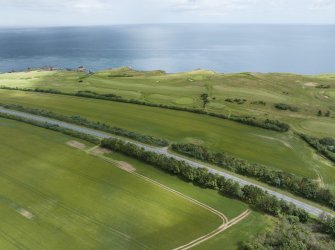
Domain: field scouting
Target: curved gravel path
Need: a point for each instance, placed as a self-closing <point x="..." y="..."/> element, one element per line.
<point x="308" y="208"/>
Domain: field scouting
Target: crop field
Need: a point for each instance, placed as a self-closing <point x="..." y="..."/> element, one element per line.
<point x="230" y="238"/>
<point x="58" y="196"/>
<point x="279" y="150"/>
<point x="254" y="224"/>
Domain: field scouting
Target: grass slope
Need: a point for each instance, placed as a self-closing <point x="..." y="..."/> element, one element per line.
<point x="280" y="150"/>
<point x="184" y="89"/>
<point x="80" y="202"/>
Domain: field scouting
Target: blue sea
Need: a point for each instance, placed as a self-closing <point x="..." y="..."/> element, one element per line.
<point x="173" y="47"/>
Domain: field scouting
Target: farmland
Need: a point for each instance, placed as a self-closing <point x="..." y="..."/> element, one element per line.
<point x="65" y="197"/>
<point x="283" y="151"/>
<point x="113" y="203"/>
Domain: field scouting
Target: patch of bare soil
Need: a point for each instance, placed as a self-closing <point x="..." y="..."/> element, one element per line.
<point x="76" y="144"/>
<point x="125" y="166"/>
<point x="100" y="151"/>
<point x="25" y="213"/>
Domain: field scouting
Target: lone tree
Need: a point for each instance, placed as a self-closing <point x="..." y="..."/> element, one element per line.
<point x="205" y="99"/>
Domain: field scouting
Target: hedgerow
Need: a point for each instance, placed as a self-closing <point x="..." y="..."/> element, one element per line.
<point x="303" y="187"/>
<point x="76" y="119"/>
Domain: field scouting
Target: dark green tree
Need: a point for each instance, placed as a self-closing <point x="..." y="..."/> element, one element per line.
<point x="205" y="99"/>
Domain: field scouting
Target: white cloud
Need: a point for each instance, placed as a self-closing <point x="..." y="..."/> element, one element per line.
<point x="320" y="4"/>
<point x="85" y="12"/>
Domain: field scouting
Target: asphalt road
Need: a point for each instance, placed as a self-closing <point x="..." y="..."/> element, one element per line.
<point x="308" y="208"/>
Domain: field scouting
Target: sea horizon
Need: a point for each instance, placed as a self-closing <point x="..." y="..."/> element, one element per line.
<point x="174" y="48"/>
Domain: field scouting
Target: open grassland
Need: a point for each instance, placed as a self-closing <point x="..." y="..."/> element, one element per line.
<point x="279" y="150"/>
<point x="55" y="197"/>
<point x="184" y="89"/>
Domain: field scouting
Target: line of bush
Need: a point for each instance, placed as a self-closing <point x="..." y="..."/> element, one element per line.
<point x="289" y="234"/>
<point x="284" y="106"/>
<point x="328" y="224"/>
<point x="94" y="125"/>
<point x="325" y="146"/>
<point x="303" y="187"/>
<point x="254" y="196"/>
<point x="249" y="120"/>
<point x="53" y="127"/>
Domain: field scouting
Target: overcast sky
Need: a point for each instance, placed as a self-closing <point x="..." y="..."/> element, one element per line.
<point x="107" y="12"/>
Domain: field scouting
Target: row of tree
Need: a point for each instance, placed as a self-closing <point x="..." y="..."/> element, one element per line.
<point x="249" y="120"/>
<point x="53" y="127"/>
<point x="94" y="125"/>
<point x="325" y="146"/>
<point x="303" y="187"/>
<point x="254" y="196"/>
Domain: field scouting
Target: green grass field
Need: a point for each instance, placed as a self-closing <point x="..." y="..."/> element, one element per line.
<point x="53" y="196"/>
<point x="184" y="89"/>
<point x="279" y="150"/>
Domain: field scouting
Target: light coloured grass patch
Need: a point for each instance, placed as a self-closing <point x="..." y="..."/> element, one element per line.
<point x="310" y="84"/>
<point x="184" y="101"/>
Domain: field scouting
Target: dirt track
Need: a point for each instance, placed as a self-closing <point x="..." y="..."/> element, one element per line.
<point x="220" y="229"/>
